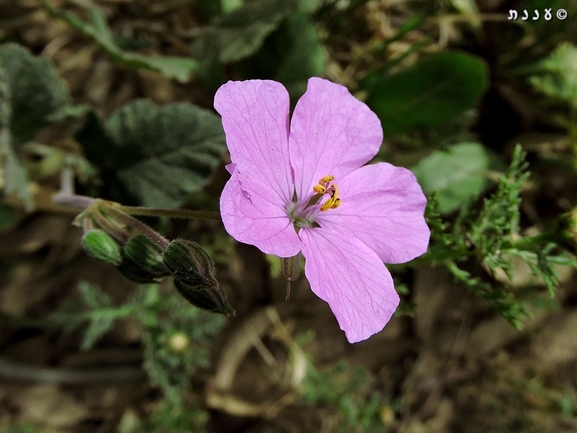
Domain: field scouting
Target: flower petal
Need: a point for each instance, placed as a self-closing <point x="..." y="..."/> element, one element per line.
<point x="332" y="133"/>
<point x="383" y="206"/>
<point x="255" y="120"/>
<point x="350" y="277"/>
<point x="251" y="215"/>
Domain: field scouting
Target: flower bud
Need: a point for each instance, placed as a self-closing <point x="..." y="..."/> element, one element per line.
<point x="135" y="273"/>
<point x="146" y="255"/>
<point x="194" y="278"/>
<point x="210" y="298"/>
<point x="101" y="246"/>
<point x="188" y="262"/>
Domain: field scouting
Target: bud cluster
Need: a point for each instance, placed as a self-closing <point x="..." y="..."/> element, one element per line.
<point x="144" y="256"/>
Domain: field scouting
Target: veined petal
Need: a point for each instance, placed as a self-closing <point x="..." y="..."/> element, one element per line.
<point x="255" y="117"/>
<point x="331" y="133"/>
<point x="383" y="206"/>
<point x="251" y="215"/>
<point x="350" y="277"/>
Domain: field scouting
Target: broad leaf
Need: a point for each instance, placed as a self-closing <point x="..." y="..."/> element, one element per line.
<point x="239" y="34"/>
<point x="155" y="156"/>
<point x="457" y="175"/>
<point x="37" y="96"/>
<point x="291" y="55"/>
<point x="303" y="55"/>
<point x="428" y="94"/>
<point x="97" y="29"/>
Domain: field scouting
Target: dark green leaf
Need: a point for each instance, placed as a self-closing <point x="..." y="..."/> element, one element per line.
<point x="303" y="55"/>
<point x="239" y="34"/>
<point x="429" y="93"/>
<point x="37" y="96"/>
<point x="7" y="217"/>
<point x="155" y="155"/>
<point x="15" y="177"/>
<point x="97" y="29"/>
<point x="457" y="175"/>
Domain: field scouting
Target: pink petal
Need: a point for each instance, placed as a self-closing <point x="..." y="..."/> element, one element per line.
<point x="255" y="120"/>
<point x="383" y="206"/>
<point x="332" y="133"/>
<point x="251" y="215"/>
<point x="350" y="277"/>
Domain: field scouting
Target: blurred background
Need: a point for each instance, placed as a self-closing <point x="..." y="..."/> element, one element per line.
<point x="114" y="97"/>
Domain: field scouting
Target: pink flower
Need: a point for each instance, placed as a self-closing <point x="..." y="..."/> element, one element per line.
<point x="303" y="187"/>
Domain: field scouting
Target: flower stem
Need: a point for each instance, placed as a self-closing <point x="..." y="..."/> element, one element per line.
<point x="118" y="213"/>
<point x="172" y="213"/>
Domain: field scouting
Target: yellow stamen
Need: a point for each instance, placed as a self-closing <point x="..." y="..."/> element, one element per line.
<point x="327" y="205"/>
<point x="319" y="189"/>
<point x="322" y="188"/>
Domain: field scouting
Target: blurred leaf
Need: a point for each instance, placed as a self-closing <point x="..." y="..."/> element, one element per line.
<point x="291" y="55"/>
<point x="559" y="77"/>
<point x="303" y="56"/>
<point x="308" y="6"/>
<point x="212" y="8"/>
<point x="228" y="6"/>
<point x="97" y="29"/>
<point x="7" y="216"/>
<point x="428" y="94"/>
<point x="457" y="175"/>
<point x="467" y="7"/>
<point x="239" y="34"/>
<point x="37" y="97"/>
<point x="155" y="155"/>
<point x="15" y="178"/>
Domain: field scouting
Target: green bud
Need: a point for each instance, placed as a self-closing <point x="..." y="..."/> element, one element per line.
<point x="210" y="298"/>
<point x="135" y="273"/>
<point x="188" y="262"/>
<point x="101" y="246"/>
<point x="146" y="255"/>
<point x="194" y="278"/>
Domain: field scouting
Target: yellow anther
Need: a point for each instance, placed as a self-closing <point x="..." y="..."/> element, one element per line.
<point x="319" y="189"/>
<point x="331" y="203"/>
<point x="326" y="179"/>
<point x="327" y="205"/>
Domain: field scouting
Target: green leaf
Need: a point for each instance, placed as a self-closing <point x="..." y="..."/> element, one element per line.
<point x="291" y="55"/>
<point x="179" y="68"/>
<point x="239" y="34"/>
<point x="308" y="6"/>
<point x="457" y="175"/>
<point x="303" y="55"/>
<point x="7" y="217"/>
<point x="37" y="96"/>
<point x="558" y="79"/>
<point x="15" y="177"/>
<point x="155" y="155"/>
<point x="428" y="94"/>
